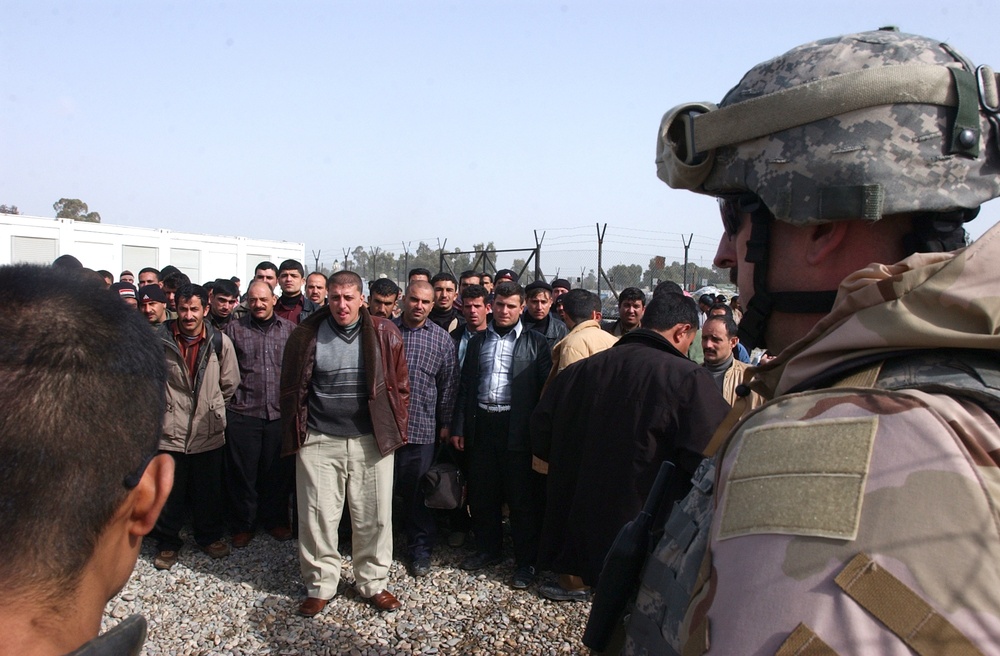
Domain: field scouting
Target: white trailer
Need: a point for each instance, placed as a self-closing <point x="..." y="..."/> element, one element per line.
<point x="118" y="248"/>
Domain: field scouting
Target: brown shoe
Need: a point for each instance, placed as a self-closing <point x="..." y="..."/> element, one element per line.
<point x="280" y="533"/>
<point x="165" y="559"/>
<point x="312" y="606"/>
<point x="217" y="549"/>
<point x="241" y="540"/>
<point x="384" y="601"/>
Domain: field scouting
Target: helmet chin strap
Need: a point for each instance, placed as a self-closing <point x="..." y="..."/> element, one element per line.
<point x="754" y="322"/>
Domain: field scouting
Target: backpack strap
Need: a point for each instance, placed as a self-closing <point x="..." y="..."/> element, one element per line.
<point x="217" y="345"/>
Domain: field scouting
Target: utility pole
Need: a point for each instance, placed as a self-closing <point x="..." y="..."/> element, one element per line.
<point x="600" y="249"/>
<point x="373" y="253"/>
<point x="538" y="254"/>
<point x="406" y="255"/>
<point x="687" y="245"/>
<point x="316" y="257"/>
<point x="441" y="248"/>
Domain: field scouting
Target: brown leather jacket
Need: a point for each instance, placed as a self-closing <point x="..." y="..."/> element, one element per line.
<point x="385" y="367"/>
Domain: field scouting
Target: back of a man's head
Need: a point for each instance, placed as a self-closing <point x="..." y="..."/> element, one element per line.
<point x="667" y="310"/>
<point x="579" y="305"/>
<point x="81" y="407"/>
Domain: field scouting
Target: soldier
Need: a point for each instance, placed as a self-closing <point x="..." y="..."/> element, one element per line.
<point x="852" y="512"/>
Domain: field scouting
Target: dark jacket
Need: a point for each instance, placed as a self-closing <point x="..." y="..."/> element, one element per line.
<point x="532" y="362"/>
<point x="604" y="426"/>
<point x="307" y="308"/>
<point x="554" y="332"/>
<point x="385" y="366"/>
<point x="447" y="319"/>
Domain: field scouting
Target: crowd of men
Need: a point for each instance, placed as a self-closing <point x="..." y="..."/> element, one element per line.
<point x="855" y="511"/>
<point x="307" y="408"/>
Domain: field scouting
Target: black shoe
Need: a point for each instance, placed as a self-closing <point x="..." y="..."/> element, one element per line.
<point x="556" y="592"/>
<point x="479" y="560"/>
<point x="420" y="567"/>
<point x="523" y="577"/>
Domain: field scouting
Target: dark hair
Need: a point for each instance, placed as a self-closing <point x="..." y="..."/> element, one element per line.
<point x="475" y="291"/>
<point x="667" y="310"/>
<point x="419" y="271"/>
<point x="580" y="305"/>
<point x="150" y="270"/>
<point x="444" y="275"/>
<point x="107" y="275"/>
<point x="345" y="279"/>
<point x="236" y="280"/>
<point x="726" y="310"/>
<point x="81" y="411"/>
<point x="667" y="287"/>
<point x="728" y="322"/>
<point x="67" y="261"/>
<point x="292" y="265"/>
<point x="484" y="275"/>
<point x="630" y="294"/>
<point x="509" y="288"/>
<point x="707" y="299"/>
<point x="167" y="270"/>
<point x="317" y="273"/>
<point x="175" y="280"/>
<point x="465" y="275"/>
<point x="383" y="287"/>
<point x="266" y="265"/>
<point x="126" y="272"/>
<point x="225" y="287"/>
<point x="188" y="291"/>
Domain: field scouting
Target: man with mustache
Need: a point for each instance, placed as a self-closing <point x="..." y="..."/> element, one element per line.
<point x="202" y="375"/>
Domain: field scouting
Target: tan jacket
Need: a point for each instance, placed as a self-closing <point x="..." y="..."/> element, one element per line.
<point x="586" y="339"/>
<point x="844" y="500"/>
<point x="733" y="379"/>
<point x="195" y="419"/>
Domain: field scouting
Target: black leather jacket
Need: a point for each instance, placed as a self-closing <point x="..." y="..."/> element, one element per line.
<point x="532" y="362"/>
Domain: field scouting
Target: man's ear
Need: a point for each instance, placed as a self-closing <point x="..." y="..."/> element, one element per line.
<point x="150" y="494"/>
<point x="825" y="239"/>
<point x="681" y="335"/>
<point x="597" y="316"/>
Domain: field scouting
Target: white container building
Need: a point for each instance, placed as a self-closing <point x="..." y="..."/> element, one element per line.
<point x="118" y="248"/>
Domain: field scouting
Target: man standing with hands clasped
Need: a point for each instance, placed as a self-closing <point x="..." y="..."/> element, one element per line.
<point x="502" y="377"/>
<point x="344" y="397"/>
<point x="433" y="368"/>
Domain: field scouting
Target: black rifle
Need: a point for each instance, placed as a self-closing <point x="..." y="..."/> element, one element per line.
<point x="619" y="578"/>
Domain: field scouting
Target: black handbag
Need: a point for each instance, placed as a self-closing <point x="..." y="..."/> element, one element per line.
<point x="444" y="485"/>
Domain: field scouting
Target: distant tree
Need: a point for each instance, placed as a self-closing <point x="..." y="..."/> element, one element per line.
<point x="625" y="275"/>
<point x="9" y="209"/>
<point x="76" y="209"/>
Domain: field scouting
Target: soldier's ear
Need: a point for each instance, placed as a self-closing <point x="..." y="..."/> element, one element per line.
<point x="824" y="241"/>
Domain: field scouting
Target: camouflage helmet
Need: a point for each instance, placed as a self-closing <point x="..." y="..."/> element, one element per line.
<point x="859" y="126"/>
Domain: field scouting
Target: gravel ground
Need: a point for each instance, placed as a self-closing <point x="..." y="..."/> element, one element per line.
<point x="246" y="604"/>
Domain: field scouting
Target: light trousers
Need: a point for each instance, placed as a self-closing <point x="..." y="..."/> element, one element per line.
<point x="332" y="471"/>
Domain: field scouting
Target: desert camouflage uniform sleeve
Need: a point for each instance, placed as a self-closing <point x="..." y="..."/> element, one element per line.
<point x="830" y="500"/>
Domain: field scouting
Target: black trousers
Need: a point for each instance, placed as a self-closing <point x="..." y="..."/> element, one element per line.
<point x="498" y="475"/>
<point x="198" y="487"/>
<point x="411" y="462"/>
<point x="258" y="480"/>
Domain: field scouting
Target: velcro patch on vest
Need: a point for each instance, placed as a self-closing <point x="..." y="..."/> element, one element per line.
<point x="799" y="478"/>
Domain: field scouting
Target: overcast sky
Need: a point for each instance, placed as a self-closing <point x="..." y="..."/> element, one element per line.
<point x="340" y="124"/>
